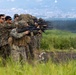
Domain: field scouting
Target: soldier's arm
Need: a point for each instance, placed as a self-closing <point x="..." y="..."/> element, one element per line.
<point x="9" y="26"/>
<point x="15" y="34"/>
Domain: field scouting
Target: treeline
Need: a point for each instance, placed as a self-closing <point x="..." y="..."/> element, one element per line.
<point x="63" y="24"/>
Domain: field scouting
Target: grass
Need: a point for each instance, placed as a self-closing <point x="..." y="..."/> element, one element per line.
<point x="57" y="39"/>
<point x="50" y="68"/>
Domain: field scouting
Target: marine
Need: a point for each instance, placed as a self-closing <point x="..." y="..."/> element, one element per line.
<point x="4" y="35"/>
<point x="19" y="46"/>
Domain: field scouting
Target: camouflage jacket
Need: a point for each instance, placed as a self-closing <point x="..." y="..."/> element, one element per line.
<point x="4" y="33"/>
<point x="15" y="34"/>
<point x="19" y="39"/>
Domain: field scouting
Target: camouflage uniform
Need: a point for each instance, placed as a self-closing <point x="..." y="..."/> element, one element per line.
<point x="38" y="38"/>
<point x="19" y="46"/>
<point x="4" y="35"/>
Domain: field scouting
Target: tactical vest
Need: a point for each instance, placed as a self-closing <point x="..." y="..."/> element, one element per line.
<point x="21" y="41"/>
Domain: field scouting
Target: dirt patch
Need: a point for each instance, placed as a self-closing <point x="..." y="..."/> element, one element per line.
<point x="61" y="56"/>
<point x="57" y="56"/>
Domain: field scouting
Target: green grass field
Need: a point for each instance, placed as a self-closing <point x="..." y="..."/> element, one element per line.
<point x="57" y="39"/>
<point x="68" y="68"/>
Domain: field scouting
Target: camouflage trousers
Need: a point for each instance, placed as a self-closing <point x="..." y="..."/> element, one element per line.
<point x="5" y="51"/>
<point x="30" y="53"/>
<point x="33" y="42"/>
<point x="38" y="39"/>
<point x="18" y="53"/>
<point x="36" y="42"/>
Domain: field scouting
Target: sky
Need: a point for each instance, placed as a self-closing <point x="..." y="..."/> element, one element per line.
<point x="40" y="8"/>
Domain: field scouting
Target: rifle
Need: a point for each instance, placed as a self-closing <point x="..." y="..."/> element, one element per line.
<point x="34" y="29"/>
<point x="29" y="28"/>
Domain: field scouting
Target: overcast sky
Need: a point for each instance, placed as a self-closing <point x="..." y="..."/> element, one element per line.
<point x="39" y="7"/>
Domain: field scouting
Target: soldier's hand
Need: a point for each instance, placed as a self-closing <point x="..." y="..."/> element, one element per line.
<point x="26" y="32"/>
<point x="10" y="40"/>
<point x="40" y="31"/>
<point x="38" y="26"/>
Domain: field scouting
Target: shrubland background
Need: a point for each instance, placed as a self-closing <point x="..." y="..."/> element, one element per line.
<point x="58" y="39"/>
